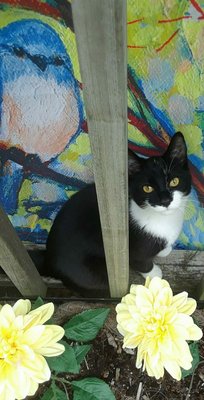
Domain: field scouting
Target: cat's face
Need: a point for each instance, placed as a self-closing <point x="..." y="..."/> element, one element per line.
<point x="161" y="183"/>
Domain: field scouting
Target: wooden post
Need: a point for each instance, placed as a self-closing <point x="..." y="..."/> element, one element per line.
<point x="16" y="262"/>
<point x="100" y="28"/>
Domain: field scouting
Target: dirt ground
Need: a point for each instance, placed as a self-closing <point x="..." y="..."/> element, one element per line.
<point x="108" y="361"/>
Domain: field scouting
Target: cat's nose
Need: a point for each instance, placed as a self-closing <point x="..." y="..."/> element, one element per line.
<point x="165" y="200"/>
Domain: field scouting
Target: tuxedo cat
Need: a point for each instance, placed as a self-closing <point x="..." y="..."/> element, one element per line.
<point x="158" y="189"/>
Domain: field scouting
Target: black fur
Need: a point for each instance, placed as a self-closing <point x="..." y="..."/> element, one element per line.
<point x="75" y="251"/>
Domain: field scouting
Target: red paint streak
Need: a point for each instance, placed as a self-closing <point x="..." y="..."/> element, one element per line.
<point x="135" y="21"/>
<point x="167" y="41"/>
<point x="35" y="5"/>
<point x="136" y="47"/>
<point x="4" y="146"/>
<point x="198" y="8"/>
<point x="81" y="86"/>
<point x="84" y="127"/>
<point x="163" y="21"/>
<point x="147" y="131"/>
<point x="144" y="151"/>
<point x="134" y="91"/>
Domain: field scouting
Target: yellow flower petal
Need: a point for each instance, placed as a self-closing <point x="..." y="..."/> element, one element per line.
<point x="33" y="388"/>
<point x="189" y="307"/>
<point x="24" y="341"/>
<point x="159" y="325"/>
<point x="37" y="369"/>
<point x="173" y="369"/>
<point x="7" y="314"/>
<point x="156" y="284"/>
<point x="33" y="334"/>
<point x="22" y="307"/>
<point x="45" y="312"/>
<point x="147" y="282"/>
<point x="49" y="335"/>
<point x="20" y="382"/>
<point x="194" y="333"/>
<point x="164" y="298"/>
<point x="54" y="350"/>
<point x="121" y="330"/>
<point x="128" y="299"/>
<point x="154" y="367"/>
<point x="7" y="394"/>
<point x="144" y="298"/>
<point x="140" y="357"/>
<point x="122" y="316"/>
<point x="179" y="300"/>
<point x="133" y="289"/>
<point x="131" y="341"/>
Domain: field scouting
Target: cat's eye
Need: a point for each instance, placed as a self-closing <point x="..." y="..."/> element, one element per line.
<point x="148" y="189"/>
<point x="174" y="182"/>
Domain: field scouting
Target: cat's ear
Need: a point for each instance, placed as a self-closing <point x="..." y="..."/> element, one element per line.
<point x="134" y="162"/>
<point x="177" y="148"/>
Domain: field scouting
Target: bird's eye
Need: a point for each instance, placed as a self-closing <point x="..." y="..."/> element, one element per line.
<point x="19" y="52"/>
<point x="174" y="182"/>
<point x="148" y="189"/>
<point x="58" y="61"/>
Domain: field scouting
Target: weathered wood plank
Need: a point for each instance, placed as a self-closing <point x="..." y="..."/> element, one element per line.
<point x="100" y="28"/>
<point x="16" y="262"/>
<point x="182" y="269"/>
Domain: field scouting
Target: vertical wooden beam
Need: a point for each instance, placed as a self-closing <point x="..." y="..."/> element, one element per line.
<point x="16" y="262"/>
<point x="100" y="28"/>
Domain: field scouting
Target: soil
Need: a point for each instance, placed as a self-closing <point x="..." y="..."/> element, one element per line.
<point x="108" y="361"/>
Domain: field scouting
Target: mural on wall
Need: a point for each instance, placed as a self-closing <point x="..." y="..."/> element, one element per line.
<point x="41" y="117"/>
<point x="166" y="90"/>
<point x="44" y="146"/>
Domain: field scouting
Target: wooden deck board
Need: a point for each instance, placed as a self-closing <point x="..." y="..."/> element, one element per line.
<point x="184" y="270"/>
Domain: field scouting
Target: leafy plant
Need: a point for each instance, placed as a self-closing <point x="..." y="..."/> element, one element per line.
<point x="82" y="328"/>
<point x="196" y="359"/>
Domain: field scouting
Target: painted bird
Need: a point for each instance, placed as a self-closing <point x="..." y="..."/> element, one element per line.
<point x="40" y="105"/>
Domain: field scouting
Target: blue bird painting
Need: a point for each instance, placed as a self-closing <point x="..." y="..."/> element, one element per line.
<point x="40" y="106"/>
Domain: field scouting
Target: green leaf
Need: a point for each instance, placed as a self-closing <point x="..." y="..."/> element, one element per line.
<point x="54" y="393"/>
<point x="91" y="389"/>
<point x="85" y="326"/>
<point x="37" y="303"/>
<point x="66" y="362"/>
<point x="81" y="352"/>
<point x="196" y="359"/>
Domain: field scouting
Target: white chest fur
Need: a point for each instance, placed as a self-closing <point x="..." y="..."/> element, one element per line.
<point x="162" y="223"/>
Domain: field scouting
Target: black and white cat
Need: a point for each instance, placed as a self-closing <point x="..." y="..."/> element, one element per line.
<point x="158" y="189"/>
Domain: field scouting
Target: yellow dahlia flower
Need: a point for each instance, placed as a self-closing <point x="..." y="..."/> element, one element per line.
<point x="24" y="341"/>
<point x="159" y="325"/>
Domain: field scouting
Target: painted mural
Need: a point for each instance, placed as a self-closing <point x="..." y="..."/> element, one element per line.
<point x="44" y="145"/>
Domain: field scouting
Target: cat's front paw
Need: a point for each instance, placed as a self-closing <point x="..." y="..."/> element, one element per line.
<point x="165" y="252"/>
<point x="155" y="271"/>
